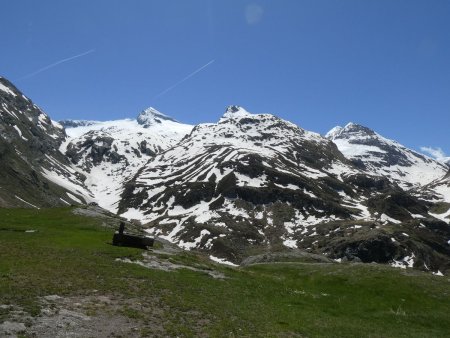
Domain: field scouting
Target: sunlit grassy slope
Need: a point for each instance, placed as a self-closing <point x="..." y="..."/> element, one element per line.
<point x="71" y="255"/>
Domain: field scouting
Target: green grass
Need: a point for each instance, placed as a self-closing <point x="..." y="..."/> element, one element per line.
<point x="71" y="255"/>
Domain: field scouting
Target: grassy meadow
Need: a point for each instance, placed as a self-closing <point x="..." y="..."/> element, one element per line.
<point x="71" y="256"/>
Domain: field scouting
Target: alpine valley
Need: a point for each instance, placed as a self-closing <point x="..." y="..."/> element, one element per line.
<point x="251" y="187"/>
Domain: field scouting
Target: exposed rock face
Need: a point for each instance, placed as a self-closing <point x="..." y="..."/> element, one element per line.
<point x="29" y="156"/>
<point x="76" y="123"/>
<point x="99" y="148"/>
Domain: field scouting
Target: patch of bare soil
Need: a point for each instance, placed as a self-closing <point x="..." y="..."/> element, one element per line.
<point x="86" y="316"/>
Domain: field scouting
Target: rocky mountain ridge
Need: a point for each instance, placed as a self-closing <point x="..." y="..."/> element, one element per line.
<point x="34" y="173"/>
<point x="380" y="156"/>
<point x="249" y="183"/>
<point x="256" y="182"/>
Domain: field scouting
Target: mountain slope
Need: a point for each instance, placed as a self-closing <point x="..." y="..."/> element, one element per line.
<point x="34" y="172"/>
<point x="438" y="192"/>
<point x="378" y="155"/>
<point x="110" y="153"/>
<point x="247" y="179"/>
<point x="252" y="183"/>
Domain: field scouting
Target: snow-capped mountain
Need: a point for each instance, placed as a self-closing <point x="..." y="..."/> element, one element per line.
<point x="238" y="140"/>
<point x="425" y="178"/>
<point x="257" y="181"/>
<point x="110" y="153"/>
<point x="34" y="172"/>
<point x="378" y="155"/>
<point x="249" y="183"/>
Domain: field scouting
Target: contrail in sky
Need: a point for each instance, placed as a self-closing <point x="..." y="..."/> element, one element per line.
<point x="43" y="69"/>
<point x="184" y="79"/>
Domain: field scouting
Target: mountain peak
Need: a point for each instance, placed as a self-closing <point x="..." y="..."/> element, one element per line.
<point x="354" y="127"/>
<point x="350" y="129"/>
<point x="151" y="116"/>
<point x="333" y="132"/>
<point x="235" y="111"/>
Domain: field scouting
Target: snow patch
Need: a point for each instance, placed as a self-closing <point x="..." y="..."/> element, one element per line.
<point x="195" y="243"/>
<point x="221" y="261"/>
<point x="72" y="197"/>
<point x="406" y="262"/>
<point x="133" y="214"/>
<point x="7" y="90"/>
<point x="20" y="199"/>
<point x="290" y="243"/>
<point x="19" y="132"/>
<point x="386" y="219"/>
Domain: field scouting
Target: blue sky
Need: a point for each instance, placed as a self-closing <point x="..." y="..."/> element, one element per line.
<point x="318" y="63"/>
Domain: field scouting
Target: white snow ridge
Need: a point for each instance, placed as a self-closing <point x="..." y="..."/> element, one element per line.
<point x="127" y="145"/>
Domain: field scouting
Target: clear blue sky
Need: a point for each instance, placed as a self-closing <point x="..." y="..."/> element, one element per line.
<point x="318" y="63"/>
